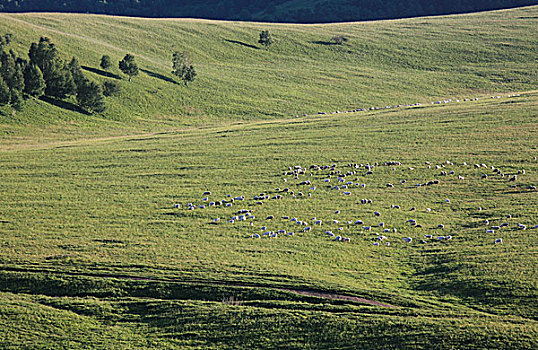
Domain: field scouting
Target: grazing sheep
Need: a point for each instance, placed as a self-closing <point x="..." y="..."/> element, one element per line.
<point x="376" y="243"/>
<point x="270" y="217"/>
<point x="377" y="213"/>
<point x="307" y="229"/>
<point x="498" y="240"/>
<point x="408" y="239"/>
<point x="440" y="226"/>
<point x="490" y="231"/>
<point x="337" y="212"/>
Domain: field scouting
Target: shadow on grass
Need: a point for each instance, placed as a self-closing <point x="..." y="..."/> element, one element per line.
<point x="159" y="76"/>
<point x="101" y="72"/>
<point x="326" y="43"/>
<point x="63" y="104"/>
<point x="242" y="44"/>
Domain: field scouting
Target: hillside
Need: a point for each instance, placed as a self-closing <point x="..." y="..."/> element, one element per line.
<point x="317" y="11"/>
<point x="383" y="63"/>
<point x="243" y="211"/>
<point x="95" y="253"/>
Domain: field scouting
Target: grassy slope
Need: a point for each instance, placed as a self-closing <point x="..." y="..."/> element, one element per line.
<point x="105" y="207"/>
<point x="76" y="216"/>
<point x="385" y="62"/>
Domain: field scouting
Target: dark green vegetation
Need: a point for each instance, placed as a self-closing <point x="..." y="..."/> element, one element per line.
<point x="266" y="10"/>
<point x="93" y="253"/>
<point x="44" y="73"/>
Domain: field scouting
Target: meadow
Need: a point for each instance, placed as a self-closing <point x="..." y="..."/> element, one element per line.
<point x="100" y="250"/>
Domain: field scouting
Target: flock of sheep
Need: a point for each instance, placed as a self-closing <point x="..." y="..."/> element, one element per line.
<point x="305" y="182"/>
<point x="438" y="102"/>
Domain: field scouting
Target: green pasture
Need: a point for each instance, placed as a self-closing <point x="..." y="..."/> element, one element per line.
<point x="383" y="63"/>
<point x="94" y="252"/>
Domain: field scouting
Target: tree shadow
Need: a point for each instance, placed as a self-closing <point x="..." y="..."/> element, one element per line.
<point x="101" y="72"/>
<point x="63" y="104"/>
<point x="242" y="44"/>
<point x="159" y="76"/>
<point x="327" y="43"/>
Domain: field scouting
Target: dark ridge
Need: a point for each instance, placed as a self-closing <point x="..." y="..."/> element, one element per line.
<point x="291" y="11"/>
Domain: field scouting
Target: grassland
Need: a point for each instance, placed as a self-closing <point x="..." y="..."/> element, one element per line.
<point x="91" y="238"/>
<point x="385" y="62"/>
<point x="94" y="254"/>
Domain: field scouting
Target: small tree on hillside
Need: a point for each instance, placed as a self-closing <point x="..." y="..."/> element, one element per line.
<point x="5" y="40"/>
<point x="34" y="84"/>
<point x="182" y="67"/>
<point x="76" y="71"/>
<point x="266" y="39"/>
<point x="189" y="76"/>
<point x="4" y="93"/>
<point x="128" y="66"/>
<point x="11" y="72"/>
<point x="339" y="39"/>
<point x="106" y="62"/>
<point x="111" y="88"/>
<point x="16" y="100"/>
<point x="90" y="96"/>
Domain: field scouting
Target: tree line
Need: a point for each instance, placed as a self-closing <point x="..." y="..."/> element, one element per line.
<point x="266" y="10"/>
<point x="44" y="73"/>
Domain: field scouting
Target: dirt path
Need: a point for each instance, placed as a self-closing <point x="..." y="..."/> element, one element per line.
<point x="334" y="296"/>
<point x="310" y="293"/>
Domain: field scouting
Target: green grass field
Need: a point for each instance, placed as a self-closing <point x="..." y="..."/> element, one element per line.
<point x="94" y="253"/>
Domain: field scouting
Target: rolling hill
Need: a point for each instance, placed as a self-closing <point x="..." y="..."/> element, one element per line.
<point x="219" y="216"/>
<point x="383" y="63"/>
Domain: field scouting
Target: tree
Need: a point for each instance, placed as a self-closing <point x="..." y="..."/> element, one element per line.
<point x="266" y="39"/>
<point x="111" y="88"/>
<point x="59" y="81"/>
<point x="90" y="96"/>
<point x="106" y="62"/>
<point x="16" y="100"/>
<point x="5" y="95"/>
<point x="180" y="63"/>
<point x="339" y="39"/>
<point x="34" y="84"/>
<point x="11" y="72"/>
<point x="5" y="40"/>
<point x="190" y="74"/>
<point x="128" y="66"/>
<point x="76" y="71"/>
<point x="58" y="78"/>
<point x="44" y="54"/>
<point x="182" y="67"/>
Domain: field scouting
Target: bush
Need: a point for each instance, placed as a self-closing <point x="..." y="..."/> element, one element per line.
<point x="111" y="88"/>
<point x="339" y="39"/>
